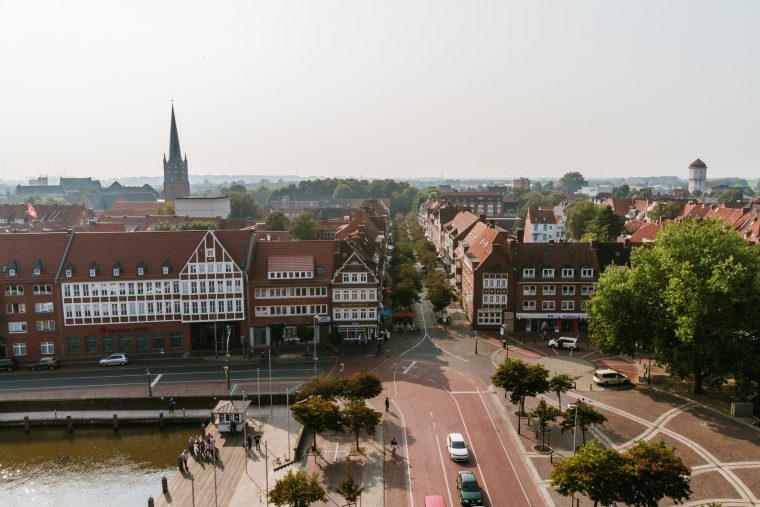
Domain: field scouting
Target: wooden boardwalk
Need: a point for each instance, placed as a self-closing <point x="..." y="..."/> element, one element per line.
<point x="200" y="481"/>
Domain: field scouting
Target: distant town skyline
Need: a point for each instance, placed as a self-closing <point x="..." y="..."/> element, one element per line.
<point x="393" y="89"/>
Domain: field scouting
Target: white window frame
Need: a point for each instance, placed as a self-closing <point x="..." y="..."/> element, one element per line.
<point x="547" y="305"/>
<point x="529" y="272"/>
<point x="568" y="305"/>
<point x="547" y="273"/>
<point x="568" y="272"/>
<point x="47" y="348"/>
<point x="587" y="272"/>
<point x="19" y="349"/>
<point x="17" y="327"/>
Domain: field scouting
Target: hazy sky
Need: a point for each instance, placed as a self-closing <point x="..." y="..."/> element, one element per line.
<point x="383" y="88"/>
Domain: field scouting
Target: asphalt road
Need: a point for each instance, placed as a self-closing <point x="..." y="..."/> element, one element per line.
<point x="201" y="373"/>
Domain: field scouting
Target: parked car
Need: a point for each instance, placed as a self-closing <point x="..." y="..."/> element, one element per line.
<point x="119" y="358"/>
<point x="469" y="490"/>
<point x="609" y="378"/>
<point x="563" y="342"/>
<point x="457" y="447"/>
<point x="8" y="363"/>
<point x="46" y="363"/>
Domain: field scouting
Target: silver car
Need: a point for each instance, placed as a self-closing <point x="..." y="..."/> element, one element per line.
<point x="119" y="358"/>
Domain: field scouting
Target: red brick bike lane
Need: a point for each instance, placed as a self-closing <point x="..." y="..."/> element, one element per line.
<point x="432" y="400"/>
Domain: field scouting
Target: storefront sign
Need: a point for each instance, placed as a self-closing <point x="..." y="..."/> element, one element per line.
<point x="552" y="315"/>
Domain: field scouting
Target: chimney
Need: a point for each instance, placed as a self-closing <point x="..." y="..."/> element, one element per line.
<point x="627" y="243"/>
<point x="482" y="218"/>
<point x="492" y="223"/>
<point x="519" y="235"/>
<point x="593" y="244"/>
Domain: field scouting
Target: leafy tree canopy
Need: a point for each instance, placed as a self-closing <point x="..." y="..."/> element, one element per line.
<point x="571" y="182"/>
<point x="304" y="226"/>
<point x="363" y="385"/>
<point x="670" y="298"/>
<point x="275" y="221"/>
<point x="317" y="415"/>
<point x="328" y="387"/>
<point x="357" y="416"/>
<point x="298" y="489"/>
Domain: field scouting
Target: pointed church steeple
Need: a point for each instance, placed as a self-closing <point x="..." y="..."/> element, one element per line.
<point x="176" y="182"/>
<point x="174" y="152"/>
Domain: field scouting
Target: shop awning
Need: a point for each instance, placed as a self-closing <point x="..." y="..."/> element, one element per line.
<point x="403" y="314"/>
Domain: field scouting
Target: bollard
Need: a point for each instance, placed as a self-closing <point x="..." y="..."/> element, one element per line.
<point x="150" y="502"/>
<point x="504" y="344"/>
<point x="115" y="422"/>
<point x="26" y="423"/>
<point x="161" y="419"/>
<point x="164" y="484"/>
<point x="69" y="423"/>
<point x="591" y="386"/>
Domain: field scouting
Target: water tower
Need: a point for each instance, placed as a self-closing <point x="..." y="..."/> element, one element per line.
<point x="697" y="176"/>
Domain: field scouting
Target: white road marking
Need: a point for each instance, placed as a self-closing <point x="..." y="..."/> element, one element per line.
<point x="406" y="370"/>
<point x="443" y="469"/>
<point x="406" y="451"/>
<point x="504" y="448"/>
<point x="464" y="392"/>
<point x="155" y="381"/>
<point x="589" y="354"/>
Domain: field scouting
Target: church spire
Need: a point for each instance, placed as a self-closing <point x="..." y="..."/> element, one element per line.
<point x="174" y="152"/>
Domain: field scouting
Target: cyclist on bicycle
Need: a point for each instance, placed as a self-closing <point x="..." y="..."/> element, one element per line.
<point x="394" y="446"/>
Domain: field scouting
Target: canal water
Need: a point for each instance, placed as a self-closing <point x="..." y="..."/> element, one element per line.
<point x="89" y="467"/>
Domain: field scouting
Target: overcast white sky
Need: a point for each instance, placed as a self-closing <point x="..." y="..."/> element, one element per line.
<point x="383" y="88"/>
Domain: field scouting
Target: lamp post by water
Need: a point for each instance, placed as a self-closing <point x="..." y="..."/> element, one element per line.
<point x="150" y="387"/>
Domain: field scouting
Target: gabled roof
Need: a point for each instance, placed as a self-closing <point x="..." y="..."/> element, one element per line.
<point x="461" y="223"/>
<point x="290" y="263"/>
<point x="27" y="250"/>
<point x="322" y="252"/>
<point x="541" y="216"/>
<point x="481" y="239"/>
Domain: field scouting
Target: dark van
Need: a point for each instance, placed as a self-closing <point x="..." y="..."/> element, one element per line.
<point x="8" y="363"/>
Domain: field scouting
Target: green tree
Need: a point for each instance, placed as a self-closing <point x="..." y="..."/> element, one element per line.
<point x="304" y="226"/>
<point x="317" y="414"/>
<point x="606" y="225"/>
<point x="659" y="473"/>
<point x="621" y="191"/>
<point x="664" y="211"/>
<point x="163" y="226"/>
<point x="440" y="296"/>
<point x="349" y="489"/>
<point x="603" y="475"/>
<point x="297" y="489"/>
<point x="571" y="182"/>
<point x="362" y="385"/>
<point x="560" y="384"/>
<point x="585" y="418"/>
<point x="275" y="221"/>
<point x="343" y="191"/>
<point x="166" y="209"/>
<point x="305" y="334"/>
<point x="730" y="195"/>
<point x="520" y="379"/>
<point x="403" y="294"/>
<point x="357" y="416"/>
<point x="642" y="193"/>
<point x="242" y="205"/>
<point x="198" y="225"/>
<point x="544" y="414"/>
<point x="578" y="216"/>
<point x="328" y="387"/>
<point x="674" y="293"/>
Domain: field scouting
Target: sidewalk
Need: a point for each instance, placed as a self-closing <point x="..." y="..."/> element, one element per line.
<point x="91" y="415"/>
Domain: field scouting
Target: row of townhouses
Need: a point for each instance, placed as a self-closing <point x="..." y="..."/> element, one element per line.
<point x="503" y="280"/>
<point x="90" y="293"/>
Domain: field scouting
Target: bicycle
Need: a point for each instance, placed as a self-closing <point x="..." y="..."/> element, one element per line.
<point x="276" y="461"/>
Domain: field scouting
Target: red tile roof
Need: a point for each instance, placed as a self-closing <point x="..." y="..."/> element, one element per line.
<point x="25" y="250"/>
<point x="290" y="263"/>
<point x="481" y="239"/>
<point x="321" y="251"/>
<point x="461" y="223"/>
<point x="541" y="216"/>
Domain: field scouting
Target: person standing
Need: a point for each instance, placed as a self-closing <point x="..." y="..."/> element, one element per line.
<point x="181" y="463"/>
<point x="387" y="404"/>
<point x="257" y="440"/>
<point x="171" y="405"/>
<point x="248" y="443"/>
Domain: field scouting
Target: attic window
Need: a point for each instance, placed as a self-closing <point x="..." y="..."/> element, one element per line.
<point x="11" y="272"/>
<point x="320" y="270"/>
<point x="209" y="253"/>
<point x="36" y="271"/>
<point x="165" y="270"/>
<point x="116" y="271"/>
<point x="69" y="273"/>
<point x="93" y="271"/>
<point x="141" y="271"/>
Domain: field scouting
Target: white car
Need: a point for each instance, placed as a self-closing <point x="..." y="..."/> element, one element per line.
<point x="563" y="342"/>
<point x="119" y="358"/>
<point x="457" y="447"/>
<point x="609" y="378"/>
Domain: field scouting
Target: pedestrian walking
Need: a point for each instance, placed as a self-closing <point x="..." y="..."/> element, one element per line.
<point x="387" y="404"/>
<point x="171" y="405"/>
<point x="388" y="351"/>
<point x="248" y="443"/>
<point x="181" y="462"/>
<point x="257" y="440"/>
<point x="184" y="461"/>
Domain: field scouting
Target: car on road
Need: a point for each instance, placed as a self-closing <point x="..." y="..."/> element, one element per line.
<point x="119" y="358"/>
<point x="469" y="490"/>
<point x="8" y="363"/>
<point x="46" y="363"/>
<point x="457" y="447"/>
<point x="563" y="342"/>
<point x="609" y="378"/>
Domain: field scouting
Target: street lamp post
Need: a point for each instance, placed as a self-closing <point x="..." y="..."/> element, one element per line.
<point x="316" y="335"/>
<point x="476" y="344"/>
<point x="226" y="369"/>
<point x="271" y="406"/>
<point x="575" y="421"/>
<point x="150" y="387"/>
<point x="245" y="432"/>
<point x="258" y="392"/>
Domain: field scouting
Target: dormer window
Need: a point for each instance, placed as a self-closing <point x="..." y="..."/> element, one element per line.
<point x="69" y="273"/>
<point x="93" y="272"/>
<point x="36" y="271"/>
<point x="165" y="267"/>
<point x="587" y="272"/>
<point x="529" y="273"/>
<point x="141" y="268"/>
<point x="117" y="269"/>
<point x="11" y="272"/>
<point x="547" y="273"/>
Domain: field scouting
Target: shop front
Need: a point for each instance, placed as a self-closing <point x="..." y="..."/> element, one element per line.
<point x="545" y="323"/>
